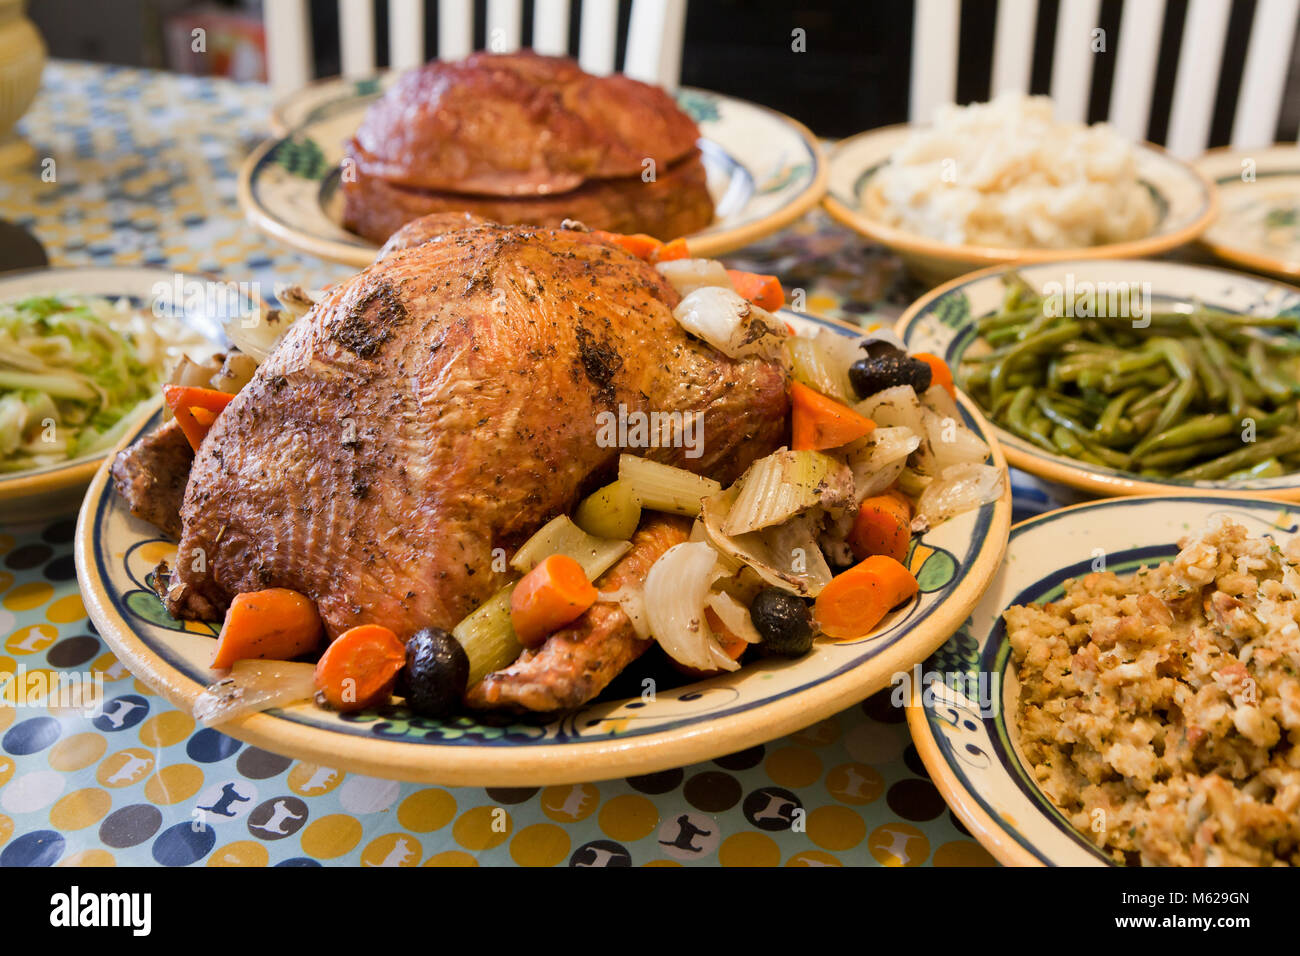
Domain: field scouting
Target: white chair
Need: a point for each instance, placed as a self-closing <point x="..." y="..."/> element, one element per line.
<point x="1200" y="57"/>
<point x="653" y="52"/>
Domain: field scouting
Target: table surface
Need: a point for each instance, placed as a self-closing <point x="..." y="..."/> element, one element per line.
<point x="145" y="166"/>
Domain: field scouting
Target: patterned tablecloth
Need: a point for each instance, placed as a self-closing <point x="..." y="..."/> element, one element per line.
<point x="144" y="174"/>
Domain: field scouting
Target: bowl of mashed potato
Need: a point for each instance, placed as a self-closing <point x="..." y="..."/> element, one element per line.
<point x="1006" y="181"/>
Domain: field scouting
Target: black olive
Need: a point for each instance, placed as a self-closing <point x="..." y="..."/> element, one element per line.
<point x="436" y="673"/>
<point x="783" y="622"/>
<point x="871" y="375"/>
<point x="881" y="349"/>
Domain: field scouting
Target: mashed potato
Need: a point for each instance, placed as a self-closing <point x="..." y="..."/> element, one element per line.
<point x="1161" y="711"/>
<point x="1006" y="174"/>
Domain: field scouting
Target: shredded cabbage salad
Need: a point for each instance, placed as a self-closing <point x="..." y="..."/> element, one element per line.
<point x="76" y="371"/>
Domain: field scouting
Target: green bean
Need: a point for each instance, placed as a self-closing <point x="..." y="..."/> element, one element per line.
<point x="1040" y="428"/>
<point x="1187" y="453"/>
<point x="1154" y="399"/>
<point x="1105" y="377"/>
<point x="1218" y="356"/>
<point x="1189" y="432"/>
<point x="1108" y="456"/>
<point x="1281" y="444"/>
<point x="1111" y="424"/>
<point x="1076" y="406"/>
<point x="1005" y="336"/>
<point x="1285" y="345"/>
<point x="1030" y="347"/>
<point x="1058" y="417"/>
<point x="1068" y="444"/>
<point x="1182" y="397"/>
<point x="1020" y="405"/>
<point x="1262" y="369"/>
<point x="1000" y="320"/>
<point x="1268" y="421"/>
<point x="1269" y="468"/>
<point x="1211" y="381"/>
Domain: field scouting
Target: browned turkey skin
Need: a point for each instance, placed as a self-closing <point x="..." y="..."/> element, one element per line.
<point x="443" y="404"/>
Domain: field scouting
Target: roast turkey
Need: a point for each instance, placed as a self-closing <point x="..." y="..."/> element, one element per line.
<point x="429" y="414"/>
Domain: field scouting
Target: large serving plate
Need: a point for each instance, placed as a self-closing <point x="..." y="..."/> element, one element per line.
<point x="963" y="698"/>
<point x="116" y="553"/>
<point x="944" y="322"/>
<point x="1185" y="199"/>
<point x="764" y="170"/>
<point x="1258" y="226"/>
<point x="39" y="494"/>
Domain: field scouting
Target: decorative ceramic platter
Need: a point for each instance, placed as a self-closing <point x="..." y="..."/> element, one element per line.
<point x="963" y="698"/>
<point x="1259" y="213"/>
<point x="1185" y="199"/>
<point x="116" y="554"/>
<point x="944" y="322"/>
<point x="42" y="493"/>
<point x="765" y="170"/>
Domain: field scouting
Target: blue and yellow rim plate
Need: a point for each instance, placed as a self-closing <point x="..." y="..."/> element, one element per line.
<point x="960" y="709"/>
<point x="605" y="739"/>
<point x="944" y="322"/>
<point x="1258" y="226"/>
<point x="765" y="170"/>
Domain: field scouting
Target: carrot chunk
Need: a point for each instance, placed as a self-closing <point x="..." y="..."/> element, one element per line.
<point x="639" y="244"/>
<point x="854" y="602"/>
<point x="548" y="597"/>
<point x="277" y="623"/>
<point x="672" y="250"/>
<point x="883" y="526"/>
<point x="195" y="409"/>
<point x="764" y="291"/>
<point x="940" y="373"/>
<point x="360" y="668"/>
<point x="820" y="422"/>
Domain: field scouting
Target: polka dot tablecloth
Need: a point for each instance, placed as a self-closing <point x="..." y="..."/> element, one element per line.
<point x="145" y="175"/>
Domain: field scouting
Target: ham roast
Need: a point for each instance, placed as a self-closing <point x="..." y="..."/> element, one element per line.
<point x="442" y="404"/>
<point x="524" y="138"/>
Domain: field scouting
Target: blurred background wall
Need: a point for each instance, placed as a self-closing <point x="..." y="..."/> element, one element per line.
<point x="853" y="75"/>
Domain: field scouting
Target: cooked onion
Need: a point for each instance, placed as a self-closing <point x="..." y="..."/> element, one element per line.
<point x="729" y="323"/>
<point x="676" y="590"/>
<point x="878" y="459"/>
<point x="784" y="484"/>
<point x="632" y="601"/>
<point x="893" y="407"/>
<point x="255" y="685"/>
<point x="949" y="442"/>
<point x="959" y="488"/>
<point x="786" y="556"/>
<point x="734" y="616"/>
<point x="687" y="275"/>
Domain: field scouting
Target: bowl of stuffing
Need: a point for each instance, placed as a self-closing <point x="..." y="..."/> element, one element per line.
<point x="1126" y="691"/>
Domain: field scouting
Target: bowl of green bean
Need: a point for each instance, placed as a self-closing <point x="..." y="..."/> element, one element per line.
<point x="1122" y="377"/>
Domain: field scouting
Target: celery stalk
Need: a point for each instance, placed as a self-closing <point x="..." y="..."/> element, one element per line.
<point x="665" y="488"/>
<point x="488" y="636"/>
<point x="610" y="512"/>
